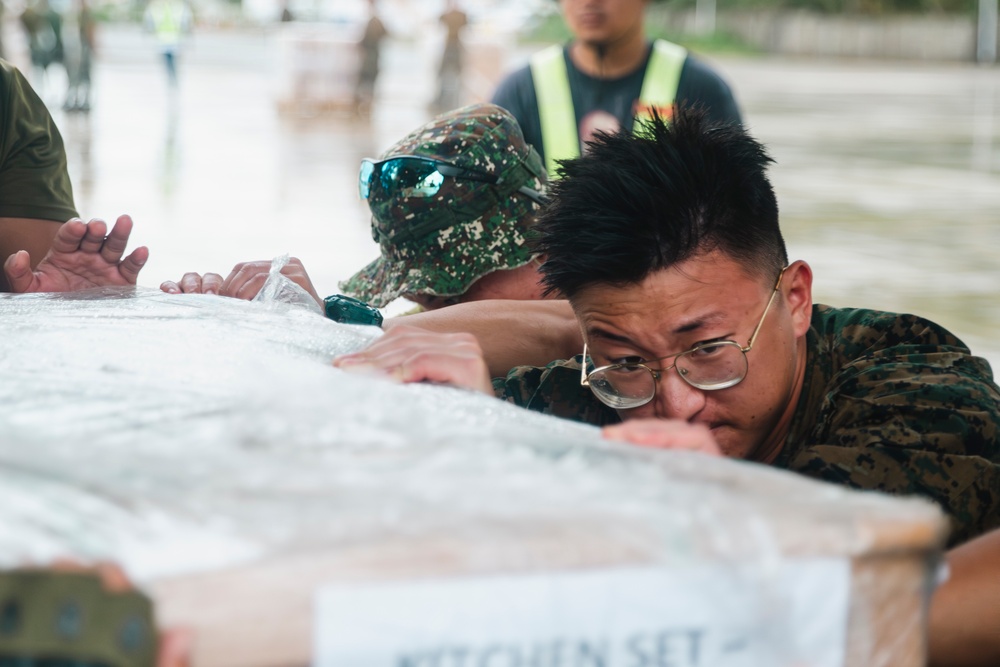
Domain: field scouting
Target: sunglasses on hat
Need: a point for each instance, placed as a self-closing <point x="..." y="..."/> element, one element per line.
<point x="418" y="176"/>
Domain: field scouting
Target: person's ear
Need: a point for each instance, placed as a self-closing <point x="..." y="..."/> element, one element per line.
<point x="796" y="288"/>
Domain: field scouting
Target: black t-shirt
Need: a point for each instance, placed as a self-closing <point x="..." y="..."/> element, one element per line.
<point x="596" y="101"/>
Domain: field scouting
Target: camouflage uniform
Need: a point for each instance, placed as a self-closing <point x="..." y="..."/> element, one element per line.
<point x="889" y="402"/>
<point x="442" y="244"/>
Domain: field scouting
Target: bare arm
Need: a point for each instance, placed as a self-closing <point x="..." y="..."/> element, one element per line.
<point x="965" y="610"/>
<point x="510" y="333"/>
<point x="34" y="236"/>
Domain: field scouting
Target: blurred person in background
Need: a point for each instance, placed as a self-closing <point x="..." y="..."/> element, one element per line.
<point x="43" y="27"/>
<point x="169" y="21"/>
<point x="452" y="207"/>
<point x="79" y="30"/>
<point x="450" y="68"/>
<point x="369" y="49"/>
<point x="608" y="75"/>
<point x="36" y="196"/>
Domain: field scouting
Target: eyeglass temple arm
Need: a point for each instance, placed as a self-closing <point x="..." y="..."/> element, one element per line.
<point x="584" y="382"/>
<point x="770" y="301"/>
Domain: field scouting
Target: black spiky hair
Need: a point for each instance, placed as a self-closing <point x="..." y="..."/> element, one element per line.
<point x="641" y="201"/>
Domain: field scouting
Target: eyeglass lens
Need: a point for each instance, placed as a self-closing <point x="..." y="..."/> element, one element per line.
<point x="708" y="367"/>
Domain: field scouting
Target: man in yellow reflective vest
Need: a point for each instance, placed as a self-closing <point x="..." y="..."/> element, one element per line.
<point x="169" y="21"/>
<point x="608" y="75"/>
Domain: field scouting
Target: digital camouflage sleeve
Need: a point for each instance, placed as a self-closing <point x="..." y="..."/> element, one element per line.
<point x="892" y="403"/>
<point x="896" y="403"/>
<point x="554" y="390"/>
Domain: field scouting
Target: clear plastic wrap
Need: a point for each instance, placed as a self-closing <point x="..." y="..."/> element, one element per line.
<point x="209" y="446"/>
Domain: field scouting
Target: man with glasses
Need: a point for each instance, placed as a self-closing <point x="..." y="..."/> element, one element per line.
<point x="699" y="334"/>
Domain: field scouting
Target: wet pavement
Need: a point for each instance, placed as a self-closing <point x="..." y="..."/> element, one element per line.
<point x="888" y="174"/>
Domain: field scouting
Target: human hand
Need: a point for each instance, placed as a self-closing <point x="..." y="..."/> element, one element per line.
<point x="247" y="279"/>
<point x="243" y="282"/>
<point x="82" y="255"/>
<point x="194" y="283"/>
<point x="410" y="354"/>
<point x="664" y="434"/>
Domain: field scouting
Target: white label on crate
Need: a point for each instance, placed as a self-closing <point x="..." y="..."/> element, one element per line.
<point x="783" y="614"/>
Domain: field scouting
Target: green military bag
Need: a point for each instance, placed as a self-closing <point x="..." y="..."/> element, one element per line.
<point x="68" y="619"/>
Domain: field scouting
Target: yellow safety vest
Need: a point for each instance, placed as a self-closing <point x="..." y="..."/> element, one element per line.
<point x="560" y="135"/>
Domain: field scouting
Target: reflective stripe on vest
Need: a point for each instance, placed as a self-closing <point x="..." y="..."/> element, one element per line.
<point x="560" y="138"/>
<point x="555" y="107"/>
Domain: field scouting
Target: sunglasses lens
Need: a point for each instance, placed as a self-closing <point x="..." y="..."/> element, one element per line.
<point x="365" y="178"/>
<point x="410" y="177"/>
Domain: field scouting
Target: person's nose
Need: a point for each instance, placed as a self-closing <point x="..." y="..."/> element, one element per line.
<point x="675" y="398"/>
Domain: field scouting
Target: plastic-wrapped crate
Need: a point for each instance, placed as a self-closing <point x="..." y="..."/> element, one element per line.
<point x="291" y="512"/>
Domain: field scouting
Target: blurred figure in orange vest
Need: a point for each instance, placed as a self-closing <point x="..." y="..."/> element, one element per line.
<point x="169" y="21"/>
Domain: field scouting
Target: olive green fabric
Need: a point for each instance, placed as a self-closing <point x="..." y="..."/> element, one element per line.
<point x="475" y="228"/>
<point x="891" y="403"/>
<point x="69" y="617"/>
<point x="34" y="181"/>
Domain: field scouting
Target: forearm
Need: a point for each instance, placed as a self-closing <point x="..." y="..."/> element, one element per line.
<point x="510" y="333"/>
<point x="965" y="610"/>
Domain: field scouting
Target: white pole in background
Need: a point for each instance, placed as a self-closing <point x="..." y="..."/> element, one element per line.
<point x="986" y="37"/>
<point x="704" y="16"/>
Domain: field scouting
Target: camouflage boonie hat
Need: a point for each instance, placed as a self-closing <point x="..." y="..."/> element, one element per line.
<point x="440" y="245"/>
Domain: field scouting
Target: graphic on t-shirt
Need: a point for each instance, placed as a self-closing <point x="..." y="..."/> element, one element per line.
<point x="594" y="122"/>
<point x="645" y="110"/>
